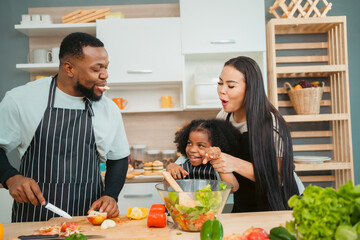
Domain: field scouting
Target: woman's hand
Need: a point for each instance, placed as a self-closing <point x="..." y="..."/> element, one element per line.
<point x="176" y="171"/>
<point x="224" y="163"/>
<point x="211" y="153"/>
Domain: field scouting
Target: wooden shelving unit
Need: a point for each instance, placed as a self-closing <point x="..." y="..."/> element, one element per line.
<point x="314" y="49"/>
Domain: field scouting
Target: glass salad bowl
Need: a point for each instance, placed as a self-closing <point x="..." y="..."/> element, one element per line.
<point x="200" y="201"/>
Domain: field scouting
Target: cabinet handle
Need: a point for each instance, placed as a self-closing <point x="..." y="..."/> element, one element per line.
<point x="147" y="71"/>
<point x="137" y="195"/>
<point x="230" y="41"/>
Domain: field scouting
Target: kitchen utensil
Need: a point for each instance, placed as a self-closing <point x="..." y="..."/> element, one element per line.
<point x="184" y="198"/>
<point x="53" y="237"/>
<point x="40" y="56"/>
<point x="54" y="55"/>
<point x="167" y="102"/>
<point x="120" y="102"/>
<point x="57" y="210"/>
<point x="311" y="159"/>
<point x="209" y="204"/>
<point x="25" y="19"/>
<point x="46" y="18"/>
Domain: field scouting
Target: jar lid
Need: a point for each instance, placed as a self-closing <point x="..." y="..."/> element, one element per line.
<point x="139" y="146"/>
<point x="168" y="151"/>
<point x="151" y="152"/>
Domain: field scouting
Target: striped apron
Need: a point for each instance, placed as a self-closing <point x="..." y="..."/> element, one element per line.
<point x="62" y="158"/>
<point x="199" y="172"/>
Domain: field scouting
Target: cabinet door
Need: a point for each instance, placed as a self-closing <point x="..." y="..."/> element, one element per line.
<point x="138" y="195"/>
<point x="213" y="26"/>
<point x="142" y="50"/>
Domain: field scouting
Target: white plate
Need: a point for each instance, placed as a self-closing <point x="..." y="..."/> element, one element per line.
<point x="311" y="159"/>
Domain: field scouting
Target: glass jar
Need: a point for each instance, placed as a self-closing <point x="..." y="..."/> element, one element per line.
<point x="168" y="156"/>
<point x="153" y="155"/>
<point x="138" y="156"/>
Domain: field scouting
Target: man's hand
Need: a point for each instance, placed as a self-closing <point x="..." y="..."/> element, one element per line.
<point x="106" y="204"/>
<point x="24" y="190"/>
<point x="176" y="171"/>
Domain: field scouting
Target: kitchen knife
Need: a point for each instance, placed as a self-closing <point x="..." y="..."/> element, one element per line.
<point x="57" y="210"/>
<point x="53" y="237"/>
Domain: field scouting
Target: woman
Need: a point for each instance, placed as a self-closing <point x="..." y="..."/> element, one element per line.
<point x="265" y="169"/>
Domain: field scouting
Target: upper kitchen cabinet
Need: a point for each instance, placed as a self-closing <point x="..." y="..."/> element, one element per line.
<point x="142" y="49"/>
<point x="222" y="26"/>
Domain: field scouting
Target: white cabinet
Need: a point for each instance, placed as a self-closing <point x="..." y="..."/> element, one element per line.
<point x="213" y="26"/>
<point x="214" y="31"/>
<point x="138" y="195"/>
<point x="5" y="206"/>
<point x="143" y="49"/>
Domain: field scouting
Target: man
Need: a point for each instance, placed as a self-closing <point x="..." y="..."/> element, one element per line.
<point x="62" y="127"/>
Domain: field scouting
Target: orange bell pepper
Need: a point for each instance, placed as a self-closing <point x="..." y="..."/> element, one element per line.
<point x="157" y="216"/>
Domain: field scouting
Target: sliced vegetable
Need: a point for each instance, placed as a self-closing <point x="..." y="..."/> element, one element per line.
<point x="211" y="230"/>
<point x="157" y="216"/>
<point x="108" y="223"/>
<point x="96" y="218"/>
<point x="137" y="212"/>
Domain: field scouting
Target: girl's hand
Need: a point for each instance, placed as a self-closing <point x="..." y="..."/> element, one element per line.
<point x="211" y="153"/>
<point x="176" y="171"/>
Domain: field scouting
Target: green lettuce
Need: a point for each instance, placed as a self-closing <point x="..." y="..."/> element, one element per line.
<point x="326" y="213"/>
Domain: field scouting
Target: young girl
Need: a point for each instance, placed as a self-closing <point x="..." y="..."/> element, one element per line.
<point x="192" y="141"/>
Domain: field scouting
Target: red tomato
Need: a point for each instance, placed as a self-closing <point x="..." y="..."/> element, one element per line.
<point x="69" y="225"/>
<point x="256" y="234"/>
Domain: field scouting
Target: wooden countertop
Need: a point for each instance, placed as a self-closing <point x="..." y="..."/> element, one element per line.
<point x="136" y="229"/>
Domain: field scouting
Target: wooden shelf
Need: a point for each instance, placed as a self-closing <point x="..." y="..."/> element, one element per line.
<point x="60" y="29"/>
<point x="292" y="56"/>
<point x="328" y="165"/>
<point x="306" y="25"/>
<point x="309" y="71"/>
<point x="316" y="118"/>
<point x="38" y="67"/>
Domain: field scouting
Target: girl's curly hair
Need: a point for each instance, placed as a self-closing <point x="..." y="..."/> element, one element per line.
<point x="221" y="134"/>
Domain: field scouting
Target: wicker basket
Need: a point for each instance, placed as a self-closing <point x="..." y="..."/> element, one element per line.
<point x="307" y="100"/>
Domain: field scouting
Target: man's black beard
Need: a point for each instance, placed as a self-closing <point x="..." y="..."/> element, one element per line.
<point x="89" y="93"/>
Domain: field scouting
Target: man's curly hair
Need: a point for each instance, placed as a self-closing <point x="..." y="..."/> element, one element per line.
<point x="221" y="134"/>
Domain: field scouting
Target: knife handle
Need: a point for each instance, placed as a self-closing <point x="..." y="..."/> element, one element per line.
<point x="26" y="237"/>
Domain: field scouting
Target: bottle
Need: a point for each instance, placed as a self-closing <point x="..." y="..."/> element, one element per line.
<point x="139" y="156"/>
<point x="168" y="156"/>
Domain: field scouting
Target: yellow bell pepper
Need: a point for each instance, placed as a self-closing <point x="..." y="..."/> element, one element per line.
<point x="137" y="212"/>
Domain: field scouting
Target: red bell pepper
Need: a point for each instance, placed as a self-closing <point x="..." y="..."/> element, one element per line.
<point x="157" y="216"/>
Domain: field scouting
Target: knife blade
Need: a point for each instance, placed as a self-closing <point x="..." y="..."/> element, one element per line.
<point x="53" y="237"/>
<point x="57" y="210"/>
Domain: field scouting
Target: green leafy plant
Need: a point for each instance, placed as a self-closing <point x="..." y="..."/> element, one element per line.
<point x="326" y="213"/>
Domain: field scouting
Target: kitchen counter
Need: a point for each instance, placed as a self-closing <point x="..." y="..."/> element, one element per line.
<point x="136" y="229"/>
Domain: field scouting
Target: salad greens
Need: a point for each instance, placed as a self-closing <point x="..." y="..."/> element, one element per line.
<point x="326" y="213"/>
<point x="190" y="218"/>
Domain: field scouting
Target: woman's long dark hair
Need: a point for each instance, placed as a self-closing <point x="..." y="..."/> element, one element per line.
<point x="259" y="118"/>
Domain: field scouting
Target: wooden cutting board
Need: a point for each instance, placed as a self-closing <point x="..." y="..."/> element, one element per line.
<point x="125" y="229"/>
